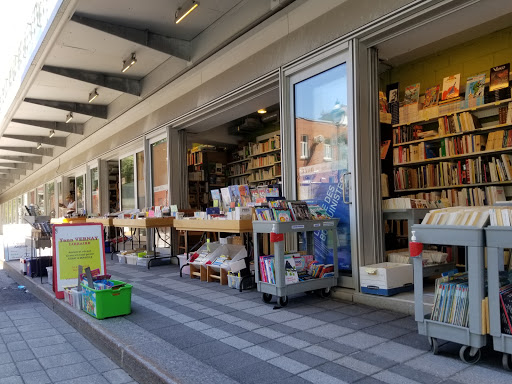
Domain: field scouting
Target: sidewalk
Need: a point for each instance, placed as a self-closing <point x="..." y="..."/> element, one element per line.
<point x="37" y="346"/>
<point x="187" y="331"/>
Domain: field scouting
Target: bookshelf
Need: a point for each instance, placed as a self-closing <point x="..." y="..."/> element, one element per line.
<point x="454" y="151"/>
<point x="206" y="171"/>
<point x="264" y="163"/>
<point x="238" y="167"/>
<point x="280" y="288"/>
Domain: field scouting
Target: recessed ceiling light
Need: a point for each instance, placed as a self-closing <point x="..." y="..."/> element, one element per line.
<point x="262" y="111"/>
<point x="127" y="63"/>
<point x="69" y="117"/>
<point x="183" y="11"/>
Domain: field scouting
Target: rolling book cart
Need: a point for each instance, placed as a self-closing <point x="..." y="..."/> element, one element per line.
<point x="280" y="289"/>
<point x="497" y="239"/>
<point x="470" y="337"/>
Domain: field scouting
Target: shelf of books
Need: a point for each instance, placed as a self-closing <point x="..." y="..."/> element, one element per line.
<point x="265" y="159"/>
<point x="498" y="237"/>
<point x="284" y="274"/>
<point x="457" y="310"/>
<point x="452" y="139"/>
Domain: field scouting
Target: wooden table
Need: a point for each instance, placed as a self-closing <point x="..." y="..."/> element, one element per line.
<point x="69" y="220"/>
<point x="219" y="226"/>
<point x="150" y="223"/>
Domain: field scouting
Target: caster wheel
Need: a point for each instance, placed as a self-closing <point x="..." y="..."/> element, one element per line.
<point x="267" y="297"/>
<point x="434" y="345"/>
<point x="507" y="362"/>
<point x="325" y="292"/>
<point x="283" y="301"/>
<point x="470" y="355"/>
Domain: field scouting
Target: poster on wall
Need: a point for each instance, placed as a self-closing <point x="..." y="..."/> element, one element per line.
<point x="74" y="245"/>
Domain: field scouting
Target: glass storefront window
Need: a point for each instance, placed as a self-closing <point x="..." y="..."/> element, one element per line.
<point x="50" y="196"/>
<point x="141" y="185"/>
<point x="79" y="193"/>
<point x="159" y="173"/>
<point x="321" y="144"/>
<point x="40" y="199"/>
<point x="127" y="183"/>
<point x="95" y="191"/>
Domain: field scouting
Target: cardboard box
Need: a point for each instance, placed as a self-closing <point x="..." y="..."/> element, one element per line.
<point x="386" y="279"/>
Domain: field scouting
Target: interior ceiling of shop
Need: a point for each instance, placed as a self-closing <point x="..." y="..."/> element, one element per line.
<point x="473" y="21"/>
<point x="81" y="47"/>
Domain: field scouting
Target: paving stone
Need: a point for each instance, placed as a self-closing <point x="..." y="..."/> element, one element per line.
<point x="358" y="365"/>
<point x="96" y="379"/>
<point x="414" y="340"/>
<point x="8" y="369"/>
<point x="477" y="375"/>
<point x="281" y="316"/>
<point x="260" y="373"/>
<point x="216" y="333"/>
<point x="288" y="364"/>
<point x="270" y="333"/>
<point x="209" y="350"/>
<point x="9" y="338"/>
<point x="360" y="340"/>
<point x="103" y="364"/>
<point x="37" y="377"/>
<point x="25" y="354"/>
<point x="253" y="337"/>
<point x="305" y="310"/>
<point x="437" y="365"/>
<point x="309" y="337"/>
<point x="376" y="360"/>
<point x="356" y="323"/>
<point x="46" y="341"/>
<point x="322" y="352"/>
<point x="330" y="331"/>
<point x="70" y="371"/>
<point x="51" y="350"/>
<point x="245" y="324"/>
<point x="342" y="349"/>
<point x="395" y="351"/>
<point x="260" y="352"/>
<point x="414" y="374"/>
<point x="241" y="305"/>
<point x="277" y="347"/>
<point x="315" y="376"/>
<point x="305" y="322"/>
<point x="329" y="316"/>
<point x="336" y="370"/>
<point x="382" y="316"/>
<point x="28" y="366"/>
<point x="355" y="310"/>
<point x="234" y="360"/>
<point x="282" y="329"/>
<point x="228" y="318"/>
<point x="293" y="342"/>
<point x="306" y="358"/>
<point x="387" y="331"/>
<point x="405" y="322"/>
<point x="393" y="378"/>
<point x="370" y="380"/>
<point x="236" y="342"/>
<point x="11" y="380"/>
<point x="93" y="354"/>
<point x="117" y="376"/>
<point x="232" y="329"/>
<point x="61" y="360"/>
<point x="198" y="325"/>
<point x="5" y="358"/>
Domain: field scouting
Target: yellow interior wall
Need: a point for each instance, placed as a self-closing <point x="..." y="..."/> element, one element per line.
<point x="471" y="58"/>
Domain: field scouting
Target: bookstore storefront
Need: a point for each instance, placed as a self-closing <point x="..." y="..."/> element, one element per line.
<point x="327" y="100"/>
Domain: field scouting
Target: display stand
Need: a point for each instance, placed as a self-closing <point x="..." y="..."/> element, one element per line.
<point x="414" y="216"/>
<point x="38" y="241"/>
<point x="280" y="289"/>
<point x="149" y="223"/>
<point x="470" y="337"/>
<point x="497" y="238"/>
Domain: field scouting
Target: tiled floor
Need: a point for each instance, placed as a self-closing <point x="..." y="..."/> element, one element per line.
<point x="311" y="340"/>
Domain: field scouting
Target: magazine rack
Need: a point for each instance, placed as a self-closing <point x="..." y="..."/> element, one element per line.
<point x="497" y="239"/>
<point x="280" y="289"/>
<point x="471" y="338"/>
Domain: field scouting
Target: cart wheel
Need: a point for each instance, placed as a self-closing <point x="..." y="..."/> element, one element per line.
<point x="325" y="292"/>
<point x="283" y="301"/>
<point x="506" y="360"/>
<point x="469" y="355"/>
<point x="434" y="345"/>
<point x="267" y="297"/>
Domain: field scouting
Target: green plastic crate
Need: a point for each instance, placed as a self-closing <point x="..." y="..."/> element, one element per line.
<point x="107" y="302"/>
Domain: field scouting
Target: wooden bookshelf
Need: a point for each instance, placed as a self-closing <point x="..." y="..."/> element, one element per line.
<point x="457" y="186"/>
<point x="462" y="156"/>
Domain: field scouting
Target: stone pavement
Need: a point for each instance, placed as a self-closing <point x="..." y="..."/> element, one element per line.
<point x="191" y="331"/>
<point x="37" y="346"/>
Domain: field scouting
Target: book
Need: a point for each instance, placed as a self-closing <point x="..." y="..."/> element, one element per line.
<point x="431" y="97"/>
<point x="327" y="271"/>
<point x="412" y="94"/>
<point x="226" y="198"/>
<point x="216" y="197"/>
<point x="290" y="276"/>
<point x="499" y="77"/>
<point x="451" y="87"/>
<point x="475" y="86"/>
<point x="384" y="147"/>
<point x="299" y="210"/>
<point x="264" y="214"/>
<point x="318" y="212"/>
<point x="234" y="194"/>
<point x="279" y="203"/>
<point x="393" y="103"/>
<point x="282" y="215"/>
<point x="245" y="195"/>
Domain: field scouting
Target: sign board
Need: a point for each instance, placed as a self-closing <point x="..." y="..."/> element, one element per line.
<point x="74" y="245"/>
<point x="15" y="237"/>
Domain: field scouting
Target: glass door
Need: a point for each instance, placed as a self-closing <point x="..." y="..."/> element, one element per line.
<point x="159" y="173"/>
<point x="127" y="183"/>
<point x="320" y="117"/>
<point x="80" y="194"/>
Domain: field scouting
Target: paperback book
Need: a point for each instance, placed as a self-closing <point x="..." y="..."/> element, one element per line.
<point x="499" y="77"/>
<point x="299" y="210"/>
<point x="290" y="276"/>
<point x="431" y="97"/>
<point x="412" y="94"/>
<point x="282" y="215"/>
<point x="317" y="212"/>
<point x="451" y="87"/>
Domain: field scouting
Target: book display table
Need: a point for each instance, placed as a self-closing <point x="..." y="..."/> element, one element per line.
<point x="241" y="227"/>
<point x="107" y="224"/>
<point x="414" y="216"/>
<point x="497" y="238"/>
<point x="280" y="289"/>
<point x="69" y="220"/>
<point x="472" y="337"/>
<point x="151" y="224"/>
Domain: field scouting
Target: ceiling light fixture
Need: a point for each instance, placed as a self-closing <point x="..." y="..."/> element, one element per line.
<point x="183" y="11"/>
<point x="52" y="133"/>
<point x="94" y="94"/>
<point x="39" y="145"/>
<point x="262" y="111"/>
<point x="127" y="63"/>
<point x="69" y="117"/>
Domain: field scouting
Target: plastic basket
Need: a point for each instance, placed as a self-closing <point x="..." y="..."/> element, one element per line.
<point x="107" y="302"/>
